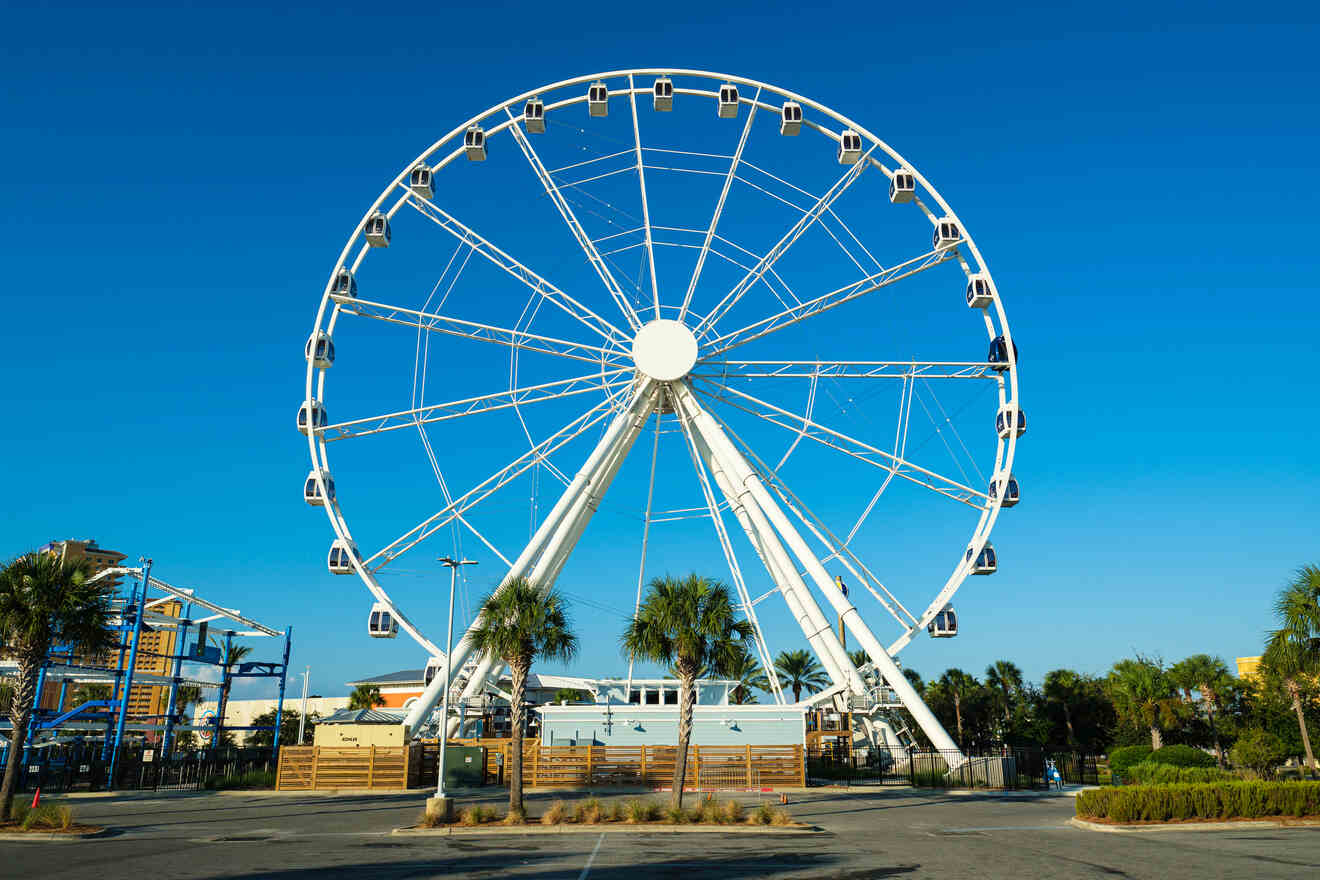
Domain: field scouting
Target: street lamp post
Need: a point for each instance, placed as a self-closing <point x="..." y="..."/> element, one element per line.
<point x="302" y="720"/>
<point x="442" y="802"/>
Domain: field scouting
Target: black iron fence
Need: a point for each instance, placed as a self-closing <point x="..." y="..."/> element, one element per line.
<point x="81" y="768"/>
<point x="1006" y="767"/>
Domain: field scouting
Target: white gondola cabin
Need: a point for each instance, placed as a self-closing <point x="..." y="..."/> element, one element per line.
<point x="850" y="147"/>
<point x="534" y="116"/>
<point x="320" y="350"/>
<point x="1010" y="420"/>
<point x="312" y="489"/>
<point x="342" y="554"/>
<point x="474" y="143"/>
<point x="421" y="181"/>
<point x="979" y="294"/>
<point x="662" y="94"/>
<point x="344" y="284"/>
<point x="377" y="230"/>
<point x="381" y="623"/>
<point x="433" y="665"/>
<point x="943" y="625"/>
<point x="946" y="234"/>
<point x="311" y="416"/>
<point x="728" y="105"/>
<point x="998" y="355"/>
<point x="1012" y="493"/>
<point x="902" y="187"/>
<point x="790" y="118"/>
<point x="598" y="99"/>
<point x="985" y="562"/>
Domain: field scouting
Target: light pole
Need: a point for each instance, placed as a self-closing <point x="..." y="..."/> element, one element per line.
<point x="302" y="720"/>
<point x="441" y="800"/>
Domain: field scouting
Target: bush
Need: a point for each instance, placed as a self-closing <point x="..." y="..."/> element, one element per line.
<point x="731" y="811"/>
<point x="588" y="812"/>
<point x="1120" y="759"/>
<point x="638" y="811"/>
<point x="1219" y="800"/>
<point x="477" y="816"/>
<point x="762" y="815"/>
<point x="44" y="816"/>
<point x="1151" y="773"/>
<point x="1258" y="751"/>
<point x="675" y="815"/>
<point x="1182" y="756"/>
<point x="617" y="813"/>
<point x="556" y="815"/>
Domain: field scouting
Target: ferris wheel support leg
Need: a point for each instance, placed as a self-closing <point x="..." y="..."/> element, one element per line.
<point x="720" y="443"/>
<point x="621" y="431"/>
<point x="818" y="631"/>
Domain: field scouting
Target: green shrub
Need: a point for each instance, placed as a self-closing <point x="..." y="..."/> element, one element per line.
<point x="556" y="814"/>
<point x="1258" y="751"/>
<point x="762" y="815"/>
<point x="588" y="812"/>
<point x="1151" y="773"/>
<point x="1217" y="800"/>
<point x="638" y="811"/>
<point x="44" y="816"/>
<point x="1182" y="756"/>
<point x="1120" y="759"/>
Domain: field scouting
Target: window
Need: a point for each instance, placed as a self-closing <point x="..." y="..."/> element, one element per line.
<point x="652" y="698"/>
<point x="671" y="698"/>
<point x="635" y="697"/>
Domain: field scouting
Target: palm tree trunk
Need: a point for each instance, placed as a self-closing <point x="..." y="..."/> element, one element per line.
<point x="1214" y="731"/>
<point x="1156" y="739"/>
<point x="1297" y="707"/>
<point x="1067" y="720"/>
<point x="957" y="714"/>
<point x="518" y="668"/>
<point x="687" y="678"/>
<point x="25" y="691"/>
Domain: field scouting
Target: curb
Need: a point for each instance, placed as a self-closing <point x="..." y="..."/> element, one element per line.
<point x="1194" y="826"/>
<point x="49" y="836"/>
<point x="621" y="828"/>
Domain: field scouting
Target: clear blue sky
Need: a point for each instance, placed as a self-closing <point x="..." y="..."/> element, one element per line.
<point x="1142" y="179"/>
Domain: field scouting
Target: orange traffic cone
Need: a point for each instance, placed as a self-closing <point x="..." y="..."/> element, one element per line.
<point x="36" y="798"/>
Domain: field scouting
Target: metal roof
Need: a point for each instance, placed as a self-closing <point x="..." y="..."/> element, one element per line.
<point x="403" y="676"/>
<point x="363" y="716"/>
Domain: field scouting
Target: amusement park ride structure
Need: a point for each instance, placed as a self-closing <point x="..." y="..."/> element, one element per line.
<point x="658" y="358"/>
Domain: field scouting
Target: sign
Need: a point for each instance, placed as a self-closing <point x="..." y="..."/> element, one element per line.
<point x="84" y="768"/>
<point x="34" y="768"/>
<point x="148" y="755"/>
<point x="208" y="719"/>
<point x="467" y="760"/>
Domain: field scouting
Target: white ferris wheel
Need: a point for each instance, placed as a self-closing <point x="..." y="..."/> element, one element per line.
<point x="732" y="307"/>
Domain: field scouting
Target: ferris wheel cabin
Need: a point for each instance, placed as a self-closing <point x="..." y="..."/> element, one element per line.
<point x="662" y="94"/>
<point x="598" y="99"/>
<point x="902" y="187"/>
<point x="474" y="143"/>
<point x="320" y="350"/>
<point x="790" y="119"/>
<point x="342" y="554"/>
<point x="943" y="625"/>
<point x="534" y="116"/>
<point x="1011" y="492"/>
<point x="985" y="562"/>
<point x="998" y="356"/>
<point x="979" y="295"/>
<point x="421" y="181"/>
<point x="1010" y="420"/>
<point x="344" y="285"/>
<point x="946" y="234"/>
<point x="377" y="230"/>
<point x="850" y="147"/>
<point x="312" y="489"/>
<point x="311" y="417"/>
<point x="728" y="102"/>
<point x="381" y="623"/>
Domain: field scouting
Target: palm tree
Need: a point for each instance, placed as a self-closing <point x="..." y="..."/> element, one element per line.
<point x="1287" y="658"/>
<point x="1063" y="687"/>
<point x="520" y="623"/>
<point x="186" y="695"/>
<point x="1144" y="695"/>
<point x="800" y="671"/>
<point x="232" y="656"/>
<point x="914" y="679"/>
<point x="1005" y="679"/>
<point x="1294" y="648"/>
<point x="46" y="599"/>
<point x="958" y="685"/>
<point x="1207" y="676"/>
<point x="687" y="623"/>
<point x="365" y="696"/>
<point x="86" y="693"/>
<point x="751" y="677"/>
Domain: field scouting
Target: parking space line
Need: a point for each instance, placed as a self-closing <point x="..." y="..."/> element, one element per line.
<point x="586" y="869"/>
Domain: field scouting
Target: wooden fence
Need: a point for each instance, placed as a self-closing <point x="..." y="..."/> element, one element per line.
<point x="304" y="768"/>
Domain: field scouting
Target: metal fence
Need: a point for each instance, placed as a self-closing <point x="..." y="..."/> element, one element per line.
<point x="81" y="768"/>
<point x="1006" y="767"/>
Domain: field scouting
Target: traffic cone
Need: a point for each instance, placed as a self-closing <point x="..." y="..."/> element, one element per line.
<point x="36" y="798"/>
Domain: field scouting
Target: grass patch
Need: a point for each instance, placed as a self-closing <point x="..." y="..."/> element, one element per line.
<point x="1218" y="800"/>
<point x="46" y="817"/>
<point x="589" y="812"/>
<point x="250" y="780"/>
<point x="473" y="816"/>
<point x="556" y="815"/>
<point x="762" y="815"/>
<point x="639" y="811"/>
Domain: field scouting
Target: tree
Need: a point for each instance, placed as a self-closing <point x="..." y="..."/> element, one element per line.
<point x="288" y="727"/>
<point x="232" y="656"/>
<point x="957" y="687"/>
<point x="520" y="623"/>
<point x="46" y="598"/>
<point x="86" y="693"/>
<point x="1286" y="658"/>
<point x="800" y="671"/>
<point x="1005" y="679"/>
<point x="1294" y="648"/>
<point x="687" y="623"/>
<point x="1144" y="695"/>
<point x="186" y="695"/>
<point x="365" y="696"/>
<point x="1207" y="676"/>
<point x="1259" y="751"/>
<point x="569" y="695"/>
<point x="751" y="677"/>
<point x="914" y="679"/>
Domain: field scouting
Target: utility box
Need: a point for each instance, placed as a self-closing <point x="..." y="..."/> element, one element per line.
<point x="465" y="766"/>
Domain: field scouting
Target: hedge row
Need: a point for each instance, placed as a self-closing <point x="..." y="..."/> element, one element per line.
<point x="1219" y="800"/>
<point x="1149" y="772"/>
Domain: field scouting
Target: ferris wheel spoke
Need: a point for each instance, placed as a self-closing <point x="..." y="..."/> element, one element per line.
<point x="813" y="430"/>
<point x="499" y="400"/>
<point x="826" y="301"/>
<point x="836" y="369"/>
<point x="566" y="211"/>
<point x="493" y="483"/>
<point x="641" y="180"/>
<point x="503" y="260"/>
<point x="515" y="339"/>
<point x="719" y="207"/>
<point x="787" y="241"/>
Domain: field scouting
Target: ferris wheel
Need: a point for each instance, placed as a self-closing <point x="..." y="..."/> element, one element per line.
<point x="730" y="304"/>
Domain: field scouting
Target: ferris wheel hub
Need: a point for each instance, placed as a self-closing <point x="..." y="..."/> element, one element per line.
<point x="665" y="350"/>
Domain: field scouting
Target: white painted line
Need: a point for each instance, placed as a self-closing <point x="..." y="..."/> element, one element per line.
<point x="587" y="867"/>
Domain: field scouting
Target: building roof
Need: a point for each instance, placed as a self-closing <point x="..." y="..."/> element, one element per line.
<point x="403" y="676"/>
<point x="363" y="716"/>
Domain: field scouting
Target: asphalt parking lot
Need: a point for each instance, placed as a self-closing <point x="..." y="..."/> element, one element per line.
<point x="869" y="833"/>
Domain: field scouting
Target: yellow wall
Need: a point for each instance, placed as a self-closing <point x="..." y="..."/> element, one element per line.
<point x="358" y="735"/>
<point x="1247" y="666"/>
